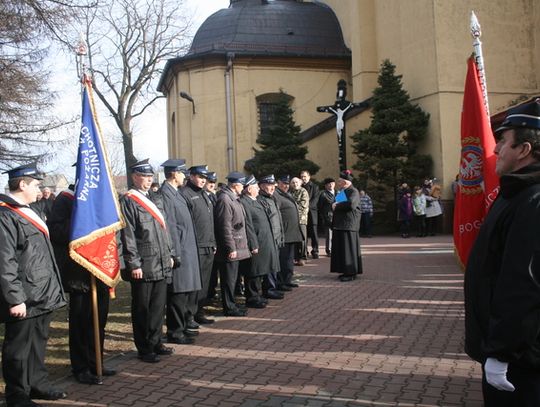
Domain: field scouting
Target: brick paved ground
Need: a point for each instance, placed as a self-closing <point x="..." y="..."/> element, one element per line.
<point x="392" y="338"/>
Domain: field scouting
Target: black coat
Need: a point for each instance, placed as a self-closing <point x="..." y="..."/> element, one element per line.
<point x="326" y="214"/>
<point x="186" y="276"/>
<point x="28" y="270"/>
<point x="502" y="280"/>
<point x="347" y="214"/>
<point x="230" y="226"/>
<point x="289" y="216"/>
<point x="146" y="244"/>
<point x="313" y="191"/>
<point x="267" y="259"/>
<point x="75" y="277"/>
<point x="202" y="211"/>
<point x="274" y="215"/>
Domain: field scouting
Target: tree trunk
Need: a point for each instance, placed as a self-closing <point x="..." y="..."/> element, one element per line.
<point x="127" y="141"/>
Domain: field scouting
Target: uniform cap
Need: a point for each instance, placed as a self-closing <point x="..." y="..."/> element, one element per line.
<point x="286" y="179"/>
<point x="346" y="174"/>
<point x="236" y="177"/>
<point x="27" y="170"/>
<point x="174" y="165"/>
<point x="201" y="170"/>
<point x="267" y="179"/>
<point x="526" y="116"/>
<point x="212" y="176"/>
<point x="142" y="167"/>
<point x="251" y="180"/>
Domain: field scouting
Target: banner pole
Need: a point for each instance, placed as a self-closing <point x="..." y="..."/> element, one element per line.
<point x="476" y="32"/>
<point x="97" y="336"/>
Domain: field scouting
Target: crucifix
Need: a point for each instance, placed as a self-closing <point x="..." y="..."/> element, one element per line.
<point x="340" y="109"/>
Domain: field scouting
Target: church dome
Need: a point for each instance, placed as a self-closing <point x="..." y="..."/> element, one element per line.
<point x="271" y="28"/>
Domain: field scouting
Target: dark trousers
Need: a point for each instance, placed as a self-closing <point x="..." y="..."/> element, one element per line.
<point x="23" y="357"/>
<point x="526" y="394"/>
<point x="82" y="351"/>
<point x="365" y="224"/>
<point x="228" y="273"/>
<point x="312" y="234"/>
<point x="431" y="225"/>
<point x="270" y="282"/>
<point x="420" y="221"/>
<point x="300" y="248"/>
<point x="148" y="300"/>
<point x="206" y="261"/>
<point x="212" y="286"/>
<point x="286" y="263"/>
<point x="253" y="289"/>
<point x="177" y="313"/>
<point x="327" y="239"/>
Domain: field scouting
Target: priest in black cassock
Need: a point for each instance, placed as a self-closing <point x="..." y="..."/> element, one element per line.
<point x="345" y="258"/>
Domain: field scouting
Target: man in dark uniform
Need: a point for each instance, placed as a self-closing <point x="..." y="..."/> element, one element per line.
<point x="231" y="238"/>
<point x="345" y="258"/>
<point x="148" y="260"/>
<point x="267" y="185"/>
<point x="313" y="215"/>
<point x="502" y="290"/>
<point x="291" y="232"/>
<point x="30" y="289"/>
<point x="186" y="277"/>
<point x="202" y="212"/>
<point x="76" y="281"/>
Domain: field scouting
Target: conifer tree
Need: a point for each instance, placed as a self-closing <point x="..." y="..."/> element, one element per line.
<point x="387" y="150"/>
<point x="281" y="151"/>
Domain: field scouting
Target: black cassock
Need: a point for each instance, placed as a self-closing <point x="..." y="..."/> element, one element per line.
<point x="345" y="241"/>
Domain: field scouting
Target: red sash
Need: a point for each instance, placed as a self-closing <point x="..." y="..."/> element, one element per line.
<point x="30" y="216"/>
<point x="69" y="194"/>
<point x="147" y="204"/>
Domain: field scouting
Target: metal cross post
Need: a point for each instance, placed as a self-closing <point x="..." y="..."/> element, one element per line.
<point x="339" y="109"/>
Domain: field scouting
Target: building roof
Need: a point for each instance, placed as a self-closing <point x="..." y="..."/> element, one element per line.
<point x="280" y="28"/>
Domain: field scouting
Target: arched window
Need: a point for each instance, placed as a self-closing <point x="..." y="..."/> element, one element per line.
<point x="266" y="109"/>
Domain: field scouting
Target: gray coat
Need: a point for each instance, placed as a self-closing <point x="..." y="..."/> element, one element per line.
<point x="230" y="226"/>
<point x="289" y="215"/>
<point x="186" y="277"/>
<point x="267" y="259"/>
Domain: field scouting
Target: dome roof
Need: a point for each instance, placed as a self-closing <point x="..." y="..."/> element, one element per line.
<point x="271" y="27"/>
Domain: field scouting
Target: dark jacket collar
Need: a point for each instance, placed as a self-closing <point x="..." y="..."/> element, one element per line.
<point x="9" y="200"/>
<point x="515" y="182"/>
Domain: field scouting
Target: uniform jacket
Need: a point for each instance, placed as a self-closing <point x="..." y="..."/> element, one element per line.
<point x="146" y="244"/>
<point x="186" y="276"/>
<point x="230" y="226"/>
<point x="270" y="206"/>
<point x="313" y="191"/>
<point x="28" y="271"/>
<point x="289" y="216"/>
<point x="202" y="211"/>
<point x="267" y="259"/>
<point x="347" y="213"/>
<point x="75" y="278"/>
<point x="502" y="280"/>
<point x="301" y="197"/>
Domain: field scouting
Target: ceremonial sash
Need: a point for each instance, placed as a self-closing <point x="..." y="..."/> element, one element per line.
<point x="30" y="216"/>
<point x="148" y="205"/>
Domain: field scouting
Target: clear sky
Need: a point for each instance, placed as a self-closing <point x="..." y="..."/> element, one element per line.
<point x="150" y="140"/>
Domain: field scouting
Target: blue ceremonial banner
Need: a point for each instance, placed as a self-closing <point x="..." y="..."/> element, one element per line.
<point x="96" y="215"/>
<point x="341" y="197"/>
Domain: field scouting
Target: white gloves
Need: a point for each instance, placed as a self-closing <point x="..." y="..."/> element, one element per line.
<point x="496" y="374"/>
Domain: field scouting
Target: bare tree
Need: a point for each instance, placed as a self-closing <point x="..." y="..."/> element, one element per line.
<point x="27" y="29"/>
<point x="128" y="42"/>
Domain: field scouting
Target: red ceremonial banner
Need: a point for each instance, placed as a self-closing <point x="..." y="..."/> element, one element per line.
<point x="478" y="182"/>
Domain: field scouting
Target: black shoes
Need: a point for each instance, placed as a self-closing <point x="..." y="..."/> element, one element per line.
<point x="182" y="340"/>
<point x="192" y="324"/>
<point x="201" y="319"/>
<point x="273" y="295"/>
<point x="50" y="394"/>
<point x="235" y="313"/>
<point x="87" y="378"/>
<point x="346" y="277"/>
<point x="164" y="350"/>
<point x="284" y="287"/>
<point x="315" y="255"/>
<point x="292" y="285"/>
<point x="149" y="357"/>
<point x="191" y="333"/>
<point x="256" y="304"/>
<point x="105" y="371"/>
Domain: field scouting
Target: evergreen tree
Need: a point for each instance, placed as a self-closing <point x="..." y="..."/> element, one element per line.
<point x="281" y="150"/>
<point x="387" y="150"/>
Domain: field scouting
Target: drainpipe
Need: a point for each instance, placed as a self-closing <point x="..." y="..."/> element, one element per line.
<point x="230" y="148"/>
